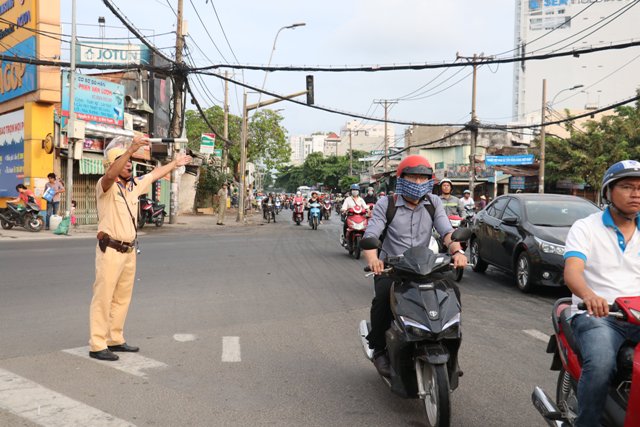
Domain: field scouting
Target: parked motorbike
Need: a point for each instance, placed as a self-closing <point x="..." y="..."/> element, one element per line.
<point x="22" y="216"/>
<point x="150" y="212"/>
<point x="298" y="212"/>
<point x="425" y="336"/>
<point x="624" y="390"/>
<point x="356" y="218"/>
<point x="326" y="209"/>
<point x="314" y="214"/>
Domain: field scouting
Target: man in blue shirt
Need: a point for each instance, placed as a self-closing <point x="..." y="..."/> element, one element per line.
<point x="411" y="227"/>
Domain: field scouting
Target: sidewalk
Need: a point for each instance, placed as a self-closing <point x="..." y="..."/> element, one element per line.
<point x="184" y="222"/>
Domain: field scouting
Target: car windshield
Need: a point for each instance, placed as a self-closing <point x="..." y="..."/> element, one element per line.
<point x="555" y="213"/>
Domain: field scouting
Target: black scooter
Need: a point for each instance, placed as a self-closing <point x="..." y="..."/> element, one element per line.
<point x="27" y="217"/>
<point x="425" y="336"/>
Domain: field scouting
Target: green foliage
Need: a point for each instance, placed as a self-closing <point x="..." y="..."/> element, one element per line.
<point x="210" y="181"/>
<point x="586" y="154"/>
<point x="332" y="171"/>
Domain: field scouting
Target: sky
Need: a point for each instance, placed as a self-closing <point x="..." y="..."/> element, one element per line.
<point x="339" y="33"/>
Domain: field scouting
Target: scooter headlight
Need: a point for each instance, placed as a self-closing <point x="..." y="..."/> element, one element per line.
<point x="358" y="226"/>
<point x="414" y="328"/>
<point x="455" y="223"/>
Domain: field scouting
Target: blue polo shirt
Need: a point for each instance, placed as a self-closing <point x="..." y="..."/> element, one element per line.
<point x="409" y="228"/>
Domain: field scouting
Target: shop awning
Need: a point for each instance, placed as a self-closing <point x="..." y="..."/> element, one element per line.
<point x="91" y="165"/>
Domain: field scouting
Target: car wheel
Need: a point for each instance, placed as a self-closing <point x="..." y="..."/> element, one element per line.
<point x="479" y="266"/>
<point x="523" y="272"/>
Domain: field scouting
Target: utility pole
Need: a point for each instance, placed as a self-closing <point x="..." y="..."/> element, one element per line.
<point x="473" y="125"/>
<point x="72" y="114"/>
<point x="225" y="134"/>
<point x="386" y="104"/>
<point x="176" y="120"/>
<point x="542" y="137"/>
<point x="350" y="154"/>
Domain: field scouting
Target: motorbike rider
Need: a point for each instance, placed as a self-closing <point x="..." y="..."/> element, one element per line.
<point x="370" y="197"/>
<point x="467" y="202"/>
<point x="314" y="199"/>
<point x="602" y="262"/>
<point x="411" y="226"/>
<point x="450" y="202"/>
<point x="295" y="200"/>
<point x="351" y="201"/>
<point x="270" y="198"/>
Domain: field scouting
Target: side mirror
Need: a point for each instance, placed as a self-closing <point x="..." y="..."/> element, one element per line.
<point x="369" y="243"/>
<point x="511" y="220"/>
<point x="461" y="234"/>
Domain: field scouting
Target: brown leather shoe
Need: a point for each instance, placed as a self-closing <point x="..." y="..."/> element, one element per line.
<point x="382" y="363"/>
<point x="124" y="347"/>
<point x="105" y="354"/>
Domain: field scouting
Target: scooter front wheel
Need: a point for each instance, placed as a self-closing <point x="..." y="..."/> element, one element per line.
<point x="433" y="381"/>
<point x="356" y="247"/>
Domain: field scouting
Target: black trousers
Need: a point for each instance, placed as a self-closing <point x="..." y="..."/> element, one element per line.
<point x="381" y="315"/>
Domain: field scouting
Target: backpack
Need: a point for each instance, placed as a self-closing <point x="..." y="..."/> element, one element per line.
<point x="391" y="213"/>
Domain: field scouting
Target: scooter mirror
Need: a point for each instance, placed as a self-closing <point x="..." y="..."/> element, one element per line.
<point x="461" y="234"/>
<point x="369" y="243"/>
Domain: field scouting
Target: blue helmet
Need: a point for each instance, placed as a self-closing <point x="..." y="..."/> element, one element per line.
<point x="355" y="187"/>
<point x="622" y="169"/>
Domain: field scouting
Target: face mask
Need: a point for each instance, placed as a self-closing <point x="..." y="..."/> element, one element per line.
<point x="412" y="190"/>
<point x="370" y="193"/>
<point x="354" y="193"/>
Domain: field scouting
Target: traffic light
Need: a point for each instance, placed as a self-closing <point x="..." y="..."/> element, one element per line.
<point x="309" y="90"/>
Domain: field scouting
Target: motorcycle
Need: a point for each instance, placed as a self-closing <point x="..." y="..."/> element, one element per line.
<point x="624" y="389"/>
<point x="326" y="209"/>
<point x="314" y="214"/>
<point x="18" y="216"/>
<point x="269" y="212"/>
<point x="356" y="218"/>
<point x="425" y="336"/>
<point x="150" y="212"/>
<point x="298" y="212"/>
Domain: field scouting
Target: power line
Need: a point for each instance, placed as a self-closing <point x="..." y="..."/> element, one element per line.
<point x="223" y="31"/>
<point x="207" y="31"/>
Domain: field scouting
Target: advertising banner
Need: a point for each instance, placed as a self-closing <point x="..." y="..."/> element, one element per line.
<point x="96" y="100"/>
<point x="11" y="152"/>
<point x="23" y="14"/>
<point x="207" y="143"/>
<point x="98" y="53"/>
<point x="520" y="159"/>
<point x="16" y="79"/>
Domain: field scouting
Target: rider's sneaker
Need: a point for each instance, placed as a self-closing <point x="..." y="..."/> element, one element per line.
<point x="382" y="363"/>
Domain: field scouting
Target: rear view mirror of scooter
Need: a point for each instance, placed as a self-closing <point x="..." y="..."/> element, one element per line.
<point x="369" y="243"/>
<point x="460" y="234"/>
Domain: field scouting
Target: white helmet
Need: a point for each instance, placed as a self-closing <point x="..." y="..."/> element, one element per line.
<point x="116" y="148"/>
<point x="299" y="193"/>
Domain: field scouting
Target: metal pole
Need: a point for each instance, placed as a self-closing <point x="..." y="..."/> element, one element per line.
<point x="176" y="122"/>
<point x="386" y="138"/>
<point x="542" y="137"/>
<point x="71" y="120"/>
<point x="350" y="155"/>
<point x="225" y="133"/>
<point x="243" y="161"/>
<point x="474" y="130"/>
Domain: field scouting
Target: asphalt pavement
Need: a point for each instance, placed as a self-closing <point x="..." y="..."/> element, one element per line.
<point x="242" y="325"/>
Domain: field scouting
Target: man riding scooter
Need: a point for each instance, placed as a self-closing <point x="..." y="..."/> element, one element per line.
<point x="450" y="202"/>
<point x="413" y="190"/>
<point x="351" y="201"/>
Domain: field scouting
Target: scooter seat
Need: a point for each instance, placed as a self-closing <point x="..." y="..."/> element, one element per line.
<point x="565" y="325"/>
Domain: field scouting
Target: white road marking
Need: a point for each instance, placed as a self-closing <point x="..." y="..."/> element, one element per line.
<point x="231" y="349"/>
<point x="184" y="337"/>
<point x="131" y="363"/>
<point x="537" y="334"/>
<point x="45" y="407"/>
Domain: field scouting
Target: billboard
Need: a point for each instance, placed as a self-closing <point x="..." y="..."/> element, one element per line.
<point x="18" y="21"/>
<point x="98" y="53"/>
<point x="96" y="100"/>
<point x="11" y="152"/>
<point x="17" y="79"/>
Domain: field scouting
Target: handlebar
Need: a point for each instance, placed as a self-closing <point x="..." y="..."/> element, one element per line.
<point x="614" y="310"/>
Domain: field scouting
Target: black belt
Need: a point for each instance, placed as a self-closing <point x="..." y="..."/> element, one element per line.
<point x="105" y="240"/>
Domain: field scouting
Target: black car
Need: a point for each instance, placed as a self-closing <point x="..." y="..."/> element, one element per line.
<point x="525" y="234"/>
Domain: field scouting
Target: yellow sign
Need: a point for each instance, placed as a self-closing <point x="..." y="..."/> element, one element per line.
<point x="17" y="21"/>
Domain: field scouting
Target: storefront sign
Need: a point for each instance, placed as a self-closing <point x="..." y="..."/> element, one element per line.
<point x="16" y="78"/>
<point x="521" y="159"/>
<point x="18" y="21"/>
<point x="97" y="53"/>
<point x="11" y="152"/>
<point x="96" y="100"/>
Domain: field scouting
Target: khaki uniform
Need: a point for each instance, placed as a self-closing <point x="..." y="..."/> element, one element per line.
<point x="115" y="271"/>
<point x="222" y="204"/>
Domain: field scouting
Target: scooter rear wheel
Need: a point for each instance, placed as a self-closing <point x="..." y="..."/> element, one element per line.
<point x="437" y="405"/>
<point x="6" y="225"/>
<point x="34" y="223"/>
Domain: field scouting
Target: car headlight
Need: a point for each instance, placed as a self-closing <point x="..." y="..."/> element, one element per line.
<point x="549" y="248"/>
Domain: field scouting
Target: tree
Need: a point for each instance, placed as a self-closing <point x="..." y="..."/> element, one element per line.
<point x="587" y="153"/>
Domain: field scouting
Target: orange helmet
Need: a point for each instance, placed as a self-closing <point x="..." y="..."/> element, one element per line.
<point x="414" y="165"/>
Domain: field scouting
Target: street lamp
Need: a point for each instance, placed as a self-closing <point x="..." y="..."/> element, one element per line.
<point x="546" y="105"/>
<point x="273" y="49"/>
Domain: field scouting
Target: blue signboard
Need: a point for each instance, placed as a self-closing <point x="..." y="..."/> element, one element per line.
<point x="11" y="152"/>
<point x="96" y="100"/>
<point x="16" y="78"/>
<point x="520" y="159"/>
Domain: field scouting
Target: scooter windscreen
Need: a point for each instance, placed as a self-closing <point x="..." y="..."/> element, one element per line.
<point x="420" y="261"/>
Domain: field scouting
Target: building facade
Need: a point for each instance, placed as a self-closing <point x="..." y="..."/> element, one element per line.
<point x="577" y="82"/>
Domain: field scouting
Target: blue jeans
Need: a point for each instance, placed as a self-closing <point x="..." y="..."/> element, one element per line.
<point x="599" y="339"/>
<point x="52" y="209"/>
